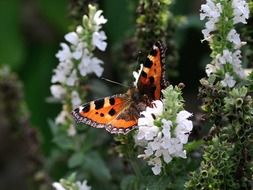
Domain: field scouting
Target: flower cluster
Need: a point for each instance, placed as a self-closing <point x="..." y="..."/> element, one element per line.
<point x="163" y="135"/>
<point x="76" y="59"/>
<point x="71" y="184"/>
<point x="224" y="39"/>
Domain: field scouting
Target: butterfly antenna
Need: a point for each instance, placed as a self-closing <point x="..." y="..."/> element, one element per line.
<point x="114" y="82"/>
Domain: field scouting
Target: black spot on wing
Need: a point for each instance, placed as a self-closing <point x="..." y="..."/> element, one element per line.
<point x="144" y="74"/>
<point x="153" y="115"/>
<point x="153" y="52"/>
<point x="152" y="91"/>
<point x="151" y="80"/>
<point x="99" y="103"/>
<point x="148" y="63"/>
<point x="112" y="101"/>
<point x="112" y="112"/>
<point x="102" y="115"/>
<point x="85" y="109"/>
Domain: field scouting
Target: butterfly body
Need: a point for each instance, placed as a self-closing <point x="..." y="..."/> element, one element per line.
<point x="120" y="113"/>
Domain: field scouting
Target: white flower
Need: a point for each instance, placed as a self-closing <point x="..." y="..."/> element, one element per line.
<point x="212" y="12"/>
<point x="234" y="37"/>
<point x="167" y="124"/>
<point x="72" y="38"/>
<point x="147" y="129"/>
<point x="164" y="142"/>
<point x="184" y="126"/>
<point x="90" y="65"/>
<point x="156" y="142"/>
<point x="176" y="148"/>
<point x="58" y="186"/>
<point x="228" y="81"/>
<point x="61" y="118"/>
<point x="137" y="75"/>
<point x="57" y="91"/>
<point x="83" y="186"/>
<point x="64" y="54"/>
<point x="147" y="132"/>
<point x="98" y="40"/>
<point x="157" y="164"/>
<point x="75" y="99"/>
<point x="241" y="11"/>
<point x="210" y="68"/>
<point x="226" y="57"/>
<point x="61" y="72"/>
<point x="99" y="19"/>
<point x="72" y="78"/>
<point x="71" y="131"/>
<point x="79" y="51"/>
<point x="237" y="64"/>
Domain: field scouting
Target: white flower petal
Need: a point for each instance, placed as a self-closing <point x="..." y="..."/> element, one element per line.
<point x="64" y="54"/>
<point x="183" y="115"/>
<point x="72" y="38"/>
<point x="62" y="117"/>
<point x="228" y="81"/>
<point x="234" y="37"/>
<point x="98" y="40"/>
<point x="58" y="186"/>
<point x="156" y="169"/>
<point x="241" y="11"/>
<point x="99" y="18"/>
<point x="72" y="78"/>
<point x="58" y="91"/>
<point x="83" y="185"/>
<point x="75" y="99"/>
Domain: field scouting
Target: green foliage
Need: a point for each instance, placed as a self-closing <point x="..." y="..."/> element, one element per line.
<point x="70" y="182"/>
<point x="152" y="22"/>
<point x="155" y="22"/>
<point x="228" y="154"/>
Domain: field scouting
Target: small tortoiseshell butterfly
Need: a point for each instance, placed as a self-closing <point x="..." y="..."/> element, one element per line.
<point x="120" y="113"/>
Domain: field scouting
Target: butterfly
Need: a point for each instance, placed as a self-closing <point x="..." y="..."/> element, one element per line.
<point x="119" y="114"/>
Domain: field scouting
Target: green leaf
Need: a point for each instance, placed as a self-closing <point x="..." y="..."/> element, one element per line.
<point x="194" y="145"/>
<point x="76" y="159"/>
<point x="128" y="182"/>
<point x="96" y="165"/>
<point x="157" y="182"/>
<point x="72" y="177"/>
<point x="64" y="142"/>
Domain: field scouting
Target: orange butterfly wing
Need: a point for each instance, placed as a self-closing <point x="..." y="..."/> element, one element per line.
<point x="151" y="79"/>
<point x="120" y="113"/>
<point x="111" y="113"/>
